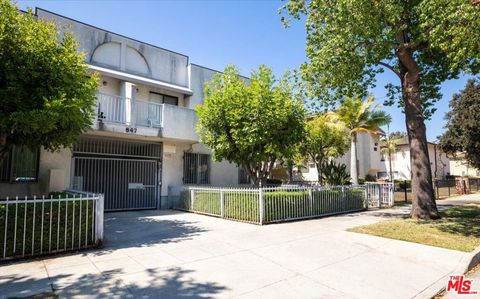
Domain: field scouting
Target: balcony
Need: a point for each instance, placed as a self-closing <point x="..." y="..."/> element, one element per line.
<point x="134" y="116"/>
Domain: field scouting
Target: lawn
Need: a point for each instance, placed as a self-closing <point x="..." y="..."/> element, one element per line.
<point x="66" y="226"/>
<point x="459" y="229"/>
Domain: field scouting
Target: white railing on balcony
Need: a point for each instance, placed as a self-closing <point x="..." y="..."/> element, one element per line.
<point x="148" y="114"/>
<point x="112" y="108"/>
<point x="132" y="112"/>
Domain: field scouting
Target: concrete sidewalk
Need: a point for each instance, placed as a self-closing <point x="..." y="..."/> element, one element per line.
<point x="168" y="254"/>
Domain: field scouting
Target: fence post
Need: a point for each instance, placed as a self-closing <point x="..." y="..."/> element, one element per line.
<point x="391" y="192"/>
<point x="222" y="204"/>
<point x="367" y="201"/>
<point x="261" y="203"/>
<point x="192" y="198"/>
<point x="310" y="198"/>
<point x="99" y="220"/>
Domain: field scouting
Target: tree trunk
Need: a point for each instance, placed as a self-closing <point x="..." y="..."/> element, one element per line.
<point x="320" y="172"/>
<point x="390" y="164"/>
<point x="353" y="159"/>
<point x="3" y="146"/>
<point x="423" y="203"/>
<point x="290" y="173"/>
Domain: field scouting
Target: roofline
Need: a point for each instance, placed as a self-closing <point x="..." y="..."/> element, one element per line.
<point x="111" y="32"/>
<point x="214" y="70"/>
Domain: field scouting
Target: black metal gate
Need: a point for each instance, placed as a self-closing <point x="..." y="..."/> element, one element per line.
<point x="127" y="173"/>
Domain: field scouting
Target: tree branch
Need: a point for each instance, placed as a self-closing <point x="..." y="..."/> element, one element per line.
<point x="388" y="66"/>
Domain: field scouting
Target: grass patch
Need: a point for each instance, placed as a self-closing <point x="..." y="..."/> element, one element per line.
<point x="459" y="229"/>
<point x="35" y="228"/>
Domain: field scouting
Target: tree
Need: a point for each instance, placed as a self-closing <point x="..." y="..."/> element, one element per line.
<point x="323" y="140"/>
<point x="462" y="133"/>
<point x="251" y="123"/>
<point x="359" y="116"/>
<point x="422" y="42"/>
<point x="46" y="92"/>
<point x="389" y="146"/>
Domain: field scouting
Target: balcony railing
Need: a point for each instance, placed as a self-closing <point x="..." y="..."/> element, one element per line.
<point x="176" y="122"/>
<point x="117" y="109"/>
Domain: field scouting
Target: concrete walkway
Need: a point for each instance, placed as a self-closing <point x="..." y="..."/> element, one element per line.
<point x="168" y="254"/>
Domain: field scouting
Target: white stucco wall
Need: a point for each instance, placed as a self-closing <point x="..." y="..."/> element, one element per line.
<point x="124" y="54"/>
<point x="59" y="180"/>
<point x="402" y="167"/>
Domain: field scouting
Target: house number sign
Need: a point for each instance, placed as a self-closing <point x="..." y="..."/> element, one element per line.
<point x="130" y="130"/>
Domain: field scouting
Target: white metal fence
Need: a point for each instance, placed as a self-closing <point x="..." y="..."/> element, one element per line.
<point x="277" y="204"/>
<point x="380" y="194"/>
<point x="41" y="225"/>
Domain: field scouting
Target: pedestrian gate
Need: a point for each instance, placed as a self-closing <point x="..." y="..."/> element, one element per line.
<point x="127" y="173"/>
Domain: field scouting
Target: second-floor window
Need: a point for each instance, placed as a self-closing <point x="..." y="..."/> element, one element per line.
<point x="20" y="165"/>
<point x="159" y="98"/>
<point x="196" y="169"/>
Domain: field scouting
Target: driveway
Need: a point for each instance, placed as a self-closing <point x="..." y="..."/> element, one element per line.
<point x="168" y="254"/>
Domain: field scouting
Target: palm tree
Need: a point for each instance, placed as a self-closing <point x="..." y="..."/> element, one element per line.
<point x="389" y="147"/>
<point x="359" y="116"/>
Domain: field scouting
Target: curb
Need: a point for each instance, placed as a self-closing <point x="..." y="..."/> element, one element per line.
<point x="467" y="263"/>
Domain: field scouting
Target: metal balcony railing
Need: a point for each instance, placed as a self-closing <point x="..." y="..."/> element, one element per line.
<point x="132" y="112"/>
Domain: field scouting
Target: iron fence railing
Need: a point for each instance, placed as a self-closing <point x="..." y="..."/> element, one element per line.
<point x="44" y="225"/>
<point x="443" y="188"/>
<point x="117" y="109"/>
<point x="278" y="204"/>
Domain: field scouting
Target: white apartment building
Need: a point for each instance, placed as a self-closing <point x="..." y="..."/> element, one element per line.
<point x="372" y="162"/>
<point x="143" y="141"/>
<point x="368" y="158"/>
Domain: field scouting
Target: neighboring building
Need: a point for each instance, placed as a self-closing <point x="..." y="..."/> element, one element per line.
<point x="460" y="167"/>
<point x="439" y="162"/>
<point x="372" y="162"/>
<point x="368" y="158"/>
<point x="143" y="142"/>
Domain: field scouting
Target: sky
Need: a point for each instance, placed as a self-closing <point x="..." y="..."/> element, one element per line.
<point x="216" y="33"/>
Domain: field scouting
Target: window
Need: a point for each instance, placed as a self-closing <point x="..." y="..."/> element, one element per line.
<point x="243" y="177"/>
<point x="159" y="98"/>
<point x="196" y="169"/>
<point x="20" y="165"/>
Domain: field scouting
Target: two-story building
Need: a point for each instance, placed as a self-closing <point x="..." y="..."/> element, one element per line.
<point x="368" y="159"/>
<point x="143" y="140"/>
<point x="401" y="164"/>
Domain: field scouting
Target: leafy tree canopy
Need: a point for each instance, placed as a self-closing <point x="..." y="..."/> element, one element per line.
<point x="350" y="42"/>
<point x="462" y="133"/>
<point x="324" y="140"/>
<point x="251" y="122"/>
<point x="46" y="92"/>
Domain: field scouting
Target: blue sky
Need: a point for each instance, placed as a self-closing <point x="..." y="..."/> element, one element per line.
<point x="216" y="33"/>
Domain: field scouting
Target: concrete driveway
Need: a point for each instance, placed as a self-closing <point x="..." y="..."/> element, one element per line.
<point x="168" y="254"/>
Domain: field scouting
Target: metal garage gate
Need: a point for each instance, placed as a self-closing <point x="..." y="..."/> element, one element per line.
<point x="126" y="172"/>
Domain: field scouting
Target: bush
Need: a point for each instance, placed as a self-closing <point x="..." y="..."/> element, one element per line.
<point x="274" y="182"/>
<point x="279" y="205"/>
<point x="335" y="174"/>
<point x="370" y="178"/>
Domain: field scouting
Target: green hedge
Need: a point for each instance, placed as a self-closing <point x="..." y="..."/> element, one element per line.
<point x="279" y="205"/>
<point x="62" y="227"/>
